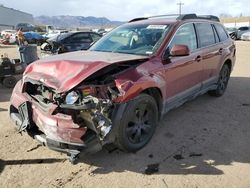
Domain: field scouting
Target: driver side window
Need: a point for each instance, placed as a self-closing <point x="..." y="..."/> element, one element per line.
<point x="185" y="36"/>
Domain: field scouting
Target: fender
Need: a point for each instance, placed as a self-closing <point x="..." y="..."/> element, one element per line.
<point x="130" y="89"/>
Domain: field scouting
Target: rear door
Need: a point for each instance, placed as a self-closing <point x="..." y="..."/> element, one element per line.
<point x="183" y="74"/>
<point x="210" y="50"/>
<point x="227" y="47"/>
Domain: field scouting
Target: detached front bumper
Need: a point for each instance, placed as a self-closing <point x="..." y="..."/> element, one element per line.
<point x="61" y="146"/>
<point x="56" y="131"/>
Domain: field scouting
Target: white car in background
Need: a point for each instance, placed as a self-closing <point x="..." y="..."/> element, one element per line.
<point x="8" y="33"/>
<point x="54" y="33"/>
<point x="245" y="36"/>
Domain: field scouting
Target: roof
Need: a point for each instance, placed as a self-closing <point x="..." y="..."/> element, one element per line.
<point x="173" y="18"/>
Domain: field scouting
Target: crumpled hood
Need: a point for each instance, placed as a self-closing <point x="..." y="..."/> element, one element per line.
<point x="63" y="72"/>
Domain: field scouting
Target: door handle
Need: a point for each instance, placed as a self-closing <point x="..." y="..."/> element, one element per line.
<point x="220" y="51"/>
<point x="198" y="58"/>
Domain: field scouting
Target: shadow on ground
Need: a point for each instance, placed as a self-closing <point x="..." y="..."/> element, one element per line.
<point x="7" y="46"/>
<point x="4" y="94"/>
<point x="196" y="138"/>
<point x="193" y="139"/>
<point x="4" y="163"/>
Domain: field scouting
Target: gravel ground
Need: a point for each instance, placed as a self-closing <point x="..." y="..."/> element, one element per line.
<point x="203" y="143"/>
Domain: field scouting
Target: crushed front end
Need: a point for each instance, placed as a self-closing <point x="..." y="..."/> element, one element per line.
<point x="72" y="122"/>
<point x="72" y="102"/>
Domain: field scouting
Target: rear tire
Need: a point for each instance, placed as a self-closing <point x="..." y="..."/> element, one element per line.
<point x="138" y="123"/>
<point x="222" y="82"/>
<point x="9" y="82"/>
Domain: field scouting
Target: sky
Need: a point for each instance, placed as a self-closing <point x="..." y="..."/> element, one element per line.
<point x="121" y="10"/>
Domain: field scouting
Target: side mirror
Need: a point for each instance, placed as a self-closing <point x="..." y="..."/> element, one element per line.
<point x="180" y="50"/>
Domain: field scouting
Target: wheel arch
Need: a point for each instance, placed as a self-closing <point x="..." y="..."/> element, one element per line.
<point x="157" y="95"/>
<point x="229" y="63"/>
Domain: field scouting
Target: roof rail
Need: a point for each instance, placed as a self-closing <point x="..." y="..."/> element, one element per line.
<point x="209" y="17"/>
<point x="181" y="17"/>
<point x="194" y="16"/>
<point x="187" y="16"/>
<point x="158" y="16"/>
<point x="138" y="19"/>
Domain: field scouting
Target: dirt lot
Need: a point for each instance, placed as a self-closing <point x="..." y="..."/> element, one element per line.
<point x="204" y="143"/>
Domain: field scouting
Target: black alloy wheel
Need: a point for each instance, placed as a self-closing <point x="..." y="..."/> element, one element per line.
<point x="138" y="123"/>
<point x="222" y="82"/>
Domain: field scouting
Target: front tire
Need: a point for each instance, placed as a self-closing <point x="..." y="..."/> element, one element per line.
<point x="222" y="82"/>
<point x="138" y="123"/>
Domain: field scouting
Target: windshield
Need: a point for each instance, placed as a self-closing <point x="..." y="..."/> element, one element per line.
<point x="133" y="39"/>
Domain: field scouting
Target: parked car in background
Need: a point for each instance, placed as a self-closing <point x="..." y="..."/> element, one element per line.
<point x="7" y="33"/>
<point x="115" y="92"/>
<point x="8" y="37"/>
<point x="241" y="30"/>
<point x="26" y="27"/>
<point x="34" y="38"/>
<point x="102" y="32"/>
<point x="232" y="31"/>
<point x="72" y="41"/>
<point x="54" y="33"/>
<point x="245" y="36"/>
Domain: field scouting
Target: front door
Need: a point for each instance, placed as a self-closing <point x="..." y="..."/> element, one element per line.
<point x="183" y="74"/>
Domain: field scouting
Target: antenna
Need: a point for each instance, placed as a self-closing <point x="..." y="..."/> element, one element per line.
<point x="180" y="4"/>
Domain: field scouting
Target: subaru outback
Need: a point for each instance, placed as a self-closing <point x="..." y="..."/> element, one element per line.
<point x="115" y="93"/>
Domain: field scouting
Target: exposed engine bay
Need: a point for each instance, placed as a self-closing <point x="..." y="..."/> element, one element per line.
<point x="90" y="104"/>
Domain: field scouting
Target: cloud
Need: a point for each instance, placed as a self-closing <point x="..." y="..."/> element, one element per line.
<point x="125" y="10"/>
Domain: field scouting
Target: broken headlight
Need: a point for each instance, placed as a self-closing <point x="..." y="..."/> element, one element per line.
<point x="72" y="97"/>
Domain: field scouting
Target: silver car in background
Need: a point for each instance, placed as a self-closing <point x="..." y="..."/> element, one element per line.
<point x="241" y="31"/>
<point x="245" y="36"/>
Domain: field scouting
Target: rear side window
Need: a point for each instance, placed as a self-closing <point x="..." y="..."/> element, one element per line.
<point x="221" y="32"/>
<point x="205" y="33"/>
<point x="216" y="35"/>
<point x="185" y="36"/>
<point x="95" y="37"/>
<point x="80" y="37"/>
<point x="243" y="28"/>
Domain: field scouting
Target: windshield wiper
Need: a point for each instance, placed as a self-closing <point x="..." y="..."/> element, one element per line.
<point x="101" y="50"/>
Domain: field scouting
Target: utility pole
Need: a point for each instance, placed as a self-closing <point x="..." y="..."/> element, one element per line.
<point x="180" y="4"/>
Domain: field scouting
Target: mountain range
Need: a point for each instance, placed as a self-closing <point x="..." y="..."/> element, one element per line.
<point x="76" y="21"/>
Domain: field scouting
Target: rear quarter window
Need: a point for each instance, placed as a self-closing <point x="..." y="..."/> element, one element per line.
<point x="221" y="32"/>
<point x="205" y="34"/>
<point x="243" y="28"/>
<point x="80" y="37"/>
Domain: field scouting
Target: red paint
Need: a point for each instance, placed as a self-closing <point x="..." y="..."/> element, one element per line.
<point x="171" y="77"/>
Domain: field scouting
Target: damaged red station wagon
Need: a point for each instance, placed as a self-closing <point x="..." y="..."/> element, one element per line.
<point x="115" y="92"/>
